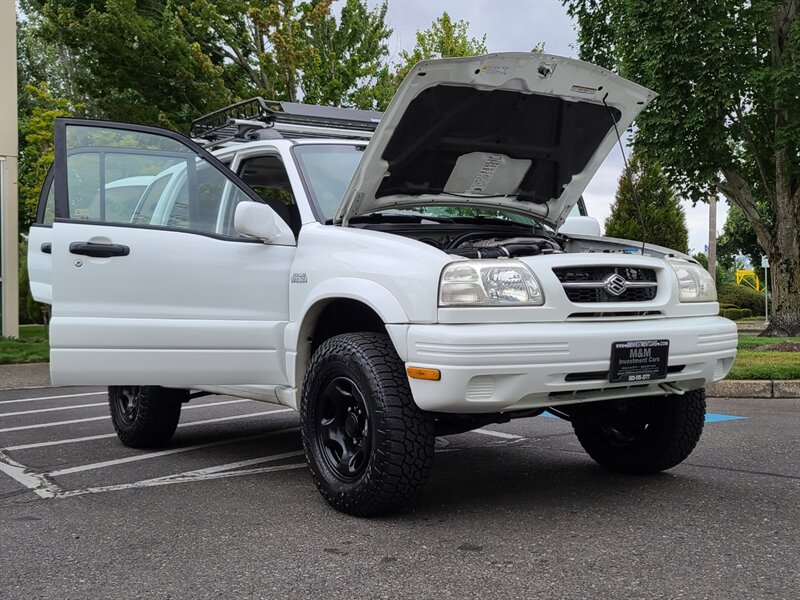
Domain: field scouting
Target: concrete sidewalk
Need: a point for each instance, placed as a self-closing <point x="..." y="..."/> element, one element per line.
<point x="17" y="377"/>
<point x="38" y="375"/>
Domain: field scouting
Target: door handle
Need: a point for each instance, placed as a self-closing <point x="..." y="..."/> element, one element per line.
<point x="99" y="250"/>
<point x="47" y="248"/>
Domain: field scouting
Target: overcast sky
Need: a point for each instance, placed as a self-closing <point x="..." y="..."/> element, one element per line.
<point x="518" y="25"/>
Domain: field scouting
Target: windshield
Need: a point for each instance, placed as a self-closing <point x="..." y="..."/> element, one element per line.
<point x="328" y="168"/>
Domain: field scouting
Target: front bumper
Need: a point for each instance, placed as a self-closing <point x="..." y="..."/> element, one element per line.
<point x="513" y="366"/>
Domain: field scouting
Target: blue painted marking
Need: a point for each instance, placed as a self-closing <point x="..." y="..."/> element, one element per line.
<point x="710" y="417"/>
<point x="716" y="418"/>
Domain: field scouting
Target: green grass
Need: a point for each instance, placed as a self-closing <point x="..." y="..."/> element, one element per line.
<point x="748" y="342"/>
<point x="750" y="363"/>
<point x="30" y="347"/>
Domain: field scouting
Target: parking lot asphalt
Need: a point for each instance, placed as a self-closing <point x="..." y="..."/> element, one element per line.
<point x="228" y="510"/>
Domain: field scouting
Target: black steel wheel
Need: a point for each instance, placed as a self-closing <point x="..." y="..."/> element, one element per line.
<point x="343" y="431"/>
<point x="126" y="403"/>
<point x="641" y="435"/>
<point x="145" y="416"/>
<point x="368" y="445"/>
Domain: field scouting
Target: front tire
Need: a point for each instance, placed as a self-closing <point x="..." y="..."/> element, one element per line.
<point x="642" y="435"/>
<point x="145" y="416"/>
<point x="370" y="448"/>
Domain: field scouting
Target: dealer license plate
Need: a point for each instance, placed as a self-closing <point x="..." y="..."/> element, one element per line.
<point x="642" y="360"/>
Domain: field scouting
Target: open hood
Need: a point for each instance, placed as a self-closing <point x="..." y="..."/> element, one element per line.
<point x="516" y="131"/>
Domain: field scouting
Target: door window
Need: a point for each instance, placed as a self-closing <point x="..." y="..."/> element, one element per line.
<point x="135" y="177"/>
<point x="267" y="176"/>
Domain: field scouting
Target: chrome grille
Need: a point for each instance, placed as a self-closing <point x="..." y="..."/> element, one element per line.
<point x="608" y="284"/>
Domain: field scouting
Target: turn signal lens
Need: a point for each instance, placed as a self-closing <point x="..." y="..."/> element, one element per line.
<point x="420" y="373"/>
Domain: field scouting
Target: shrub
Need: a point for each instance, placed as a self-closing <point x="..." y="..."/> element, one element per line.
<point x="734" y="314"/>
<point x="741" y="296"/>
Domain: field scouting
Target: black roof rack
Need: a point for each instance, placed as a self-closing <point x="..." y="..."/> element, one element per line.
<point x="291" y="119"/>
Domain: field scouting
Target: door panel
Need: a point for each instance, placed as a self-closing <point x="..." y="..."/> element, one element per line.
<point x="40" y="238"/>
<point x="183" y="300"/>
<point x="40" y="262"/>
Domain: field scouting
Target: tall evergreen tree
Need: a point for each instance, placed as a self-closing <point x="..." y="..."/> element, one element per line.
<point x="663" y="216"/>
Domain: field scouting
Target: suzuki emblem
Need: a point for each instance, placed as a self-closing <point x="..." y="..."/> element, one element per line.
<point x="615" y="284"/>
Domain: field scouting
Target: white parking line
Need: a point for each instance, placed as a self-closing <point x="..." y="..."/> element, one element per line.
<point x="41" y="410"/>
<point x="218" y="472"/>
<point x="40" y="425"/>
<point x="103" y="436"/>
<point x="53" y="397"/>
<point x="72" y="421"/>
<point x="33" y="481"/>
<point x="138" y="457"/>
<point x="500" y="434"/>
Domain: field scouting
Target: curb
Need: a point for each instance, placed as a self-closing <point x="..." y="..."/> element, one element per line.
<point x="37" y="375"/>
<point x="754" y="388"/>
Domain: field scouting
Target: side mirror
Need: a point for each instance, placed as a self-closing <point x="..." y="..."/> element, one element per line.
<point x="259" y="221"/>
<point x="581" y="226"/>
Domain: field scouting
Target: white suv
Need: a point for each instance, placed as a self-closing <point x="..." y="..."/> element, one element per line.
<point x="390" y="291"/>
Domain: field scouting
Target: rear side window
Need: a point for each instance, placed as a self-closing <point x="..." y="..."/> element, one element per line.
<point x="49" y="213"/>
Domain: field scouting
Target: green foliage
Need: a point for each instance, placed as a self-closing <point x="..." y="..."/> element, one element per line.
<point x="738" y="238"/>
<point x="741" y="297"/>
<point x="36" y="145"/>
<point x="664" y="220"/>
<point x="31" y="346"/>
<point x="282" y="49"/>
<point x="166" y="62"/>
<point x="727" y="119"/>
<point x="346" y="54"/>
<point x="734" y="314"/>
<point x="133" y="60"/>
<point x="445" y="38"/>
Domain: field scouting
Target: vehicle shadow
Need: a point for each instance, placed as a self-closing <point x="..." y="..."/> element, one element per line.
<point x="554" y="481"/>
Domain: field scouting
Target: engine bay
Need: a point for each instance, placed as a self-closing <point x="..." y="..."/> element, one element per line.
<point x="480" y="238"/>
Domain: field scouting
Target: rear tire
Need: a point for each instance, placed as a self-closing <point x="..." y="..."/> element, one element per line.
<point x="642" y="435"/>
<point x="369" y="446"/>
<point x="145" y="416"/>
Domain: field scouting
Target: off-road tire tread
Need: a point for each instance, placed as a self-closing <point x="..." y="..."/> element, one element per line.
<point x="156" y="420"/>
<point x="404" y="440"/>
<point x="672" y="438"/>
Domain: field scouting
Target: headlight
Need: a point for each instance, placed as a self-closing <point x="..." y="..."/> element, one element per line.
<point x="694" y="282"/>
<point x="489" y="283"/>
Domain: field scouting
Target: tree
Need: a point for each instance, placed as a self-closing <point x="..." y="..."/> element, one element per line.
<point x="738" y="238"/>
<point x="133" y="60"/>
<point x="284" y="49"/>
<point x="36" y="127"/>
<point x="664" y="220"/>
<point x="727" y="119"/>
<point x="167" y="61"/>
<point x="346" y="54"/>
<point x="443" y="39"/>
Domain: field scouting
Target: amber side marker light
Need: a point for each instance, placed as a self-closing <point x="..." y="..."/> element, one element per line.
<point x="420" y="373"/>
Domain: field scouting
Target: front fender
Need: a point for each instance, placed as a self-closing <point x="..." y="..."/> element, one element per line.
<point x="370" y="293"/>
